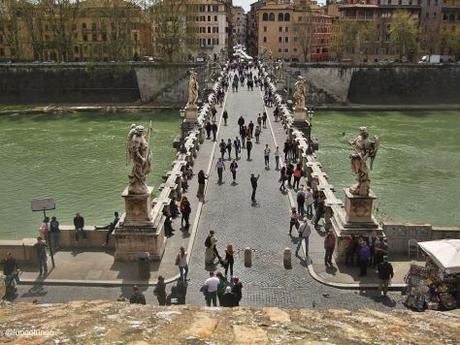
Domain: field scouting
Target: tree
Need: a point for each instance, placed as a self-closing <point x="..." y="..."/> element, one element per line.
<point x="10" y="26"/>
<point x="404" y="34"/>
<point x="303" y="30"/>
<point x="451" y="43"/>
<point x="33" y="17"/>
<point x="172" y="23"/>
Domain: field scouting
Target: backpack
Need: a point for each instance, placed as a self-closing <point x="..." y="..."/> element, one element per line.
<point x="207" y="242"/>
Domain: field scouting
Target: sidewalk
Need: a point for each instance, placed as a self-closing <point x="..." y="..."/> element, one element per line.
<point x="87" y="267"/>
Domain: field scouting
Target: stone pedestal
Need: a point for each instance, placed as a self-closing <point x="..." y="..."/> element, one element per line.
<point x="358" y="209"/>
<point x="299" y="114"/>
<point x="137" y="232"/>
<point x="191" y="113"/>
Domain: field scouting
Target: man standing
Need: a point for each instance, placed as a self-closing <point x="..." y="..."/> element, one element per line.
<point x="251" y="128"/>
<point x="249" y="148"/>
<point x="40" y="248"/>
<point x="301" y="201"/>
<point x="79" y="223"/>
<point x="267" y="156"/>
<point x="222" y="148"/>
<point x="201" y="184"/>
<point x="264" y="120"/>
<point x="254" y="186"/>
<point x="277" y="157"/>
<point x="160" y="291"/>
<point x="211" y="285"/>
<point x="220" y="166"/>
<point x="329" y="246"/>
<point x="304" y="234"/>
<point x="234" y="169"/>
<point x="309" y="201"/>
<point x="237" y="145"/>
<point x="386" y="273"/>
<point x="225" y="117"/>
<point x="214" y="131"/>
<point x="54" y="233"/>
<point x="241" y="121"/>
<point x="10" y="269"/>
<point x="137" y="297"/>
<point x="364" y="255"/>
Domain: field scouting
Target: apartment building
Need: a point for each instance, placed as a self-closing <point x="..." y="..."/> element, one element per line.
<point x="239" y="25"/>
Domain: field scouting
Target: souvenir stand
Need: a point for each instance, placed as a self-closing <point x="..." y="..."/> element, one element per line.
<point x="435" y="285"/>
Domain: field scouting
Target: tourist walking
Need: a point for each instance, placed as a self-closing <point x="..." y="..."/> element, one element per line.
<point x="257" y="134"/>
<point x="208" y="128"/>
<point x="211" y="250"/>
<point x="79" y="223"/>
<point x="229" y="148"/>
<point x="259" y="120"/>
<point x="264" y="119"/>
<point x="201" y="184"/>
<point x="386" y="273"/>
<point x="301" y="201"/>
<point x="237" y="146"/>
<point x="233" y="170"/>
<point x="229" y="260"/>
<point x="54" y="233"/>
<point x="220" y="166"/>
<point x="210" y="289"/>
<point x="286" y="150"/>
<point x="237" y="290"/>
<point x="320" y="210"/>
<point x="185" y="210"/>
<point x="243" y="135"/>
<point x="181" y="262"/>
<point x="309" y="202"/>
<point x="222" y="148"/>
<point x="160" y="291"/>
<point x="42" y="258"/>
<point x="277" y="158"/>
<point x="241" y="121"/>
<point x="249" y="148"/>
<point x="304" y="235"/>
<point x="214" y="131"/>
<point x="251" y="128"/>
<point x="137" y="297"/>
<point x="289" y="172"/>
<point x="329" y="246"/>
<point x="282" y="179"/>
<point x="364" y="254"/>
<point x="298" y="172"/>
<point x="254" y="180"/>
<point x="267" y="156"/>
<point x="225" y="117"/>
<point x="293" y="220"/>
<point x="173" y="209"/>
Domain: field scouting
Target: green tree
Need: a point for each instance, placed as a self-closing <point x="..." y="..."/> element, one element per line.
<point x="404" y="34"/>
<point x="451" y="43"/>
<point x="10" y="26"/>
<point x="303" y="31"/>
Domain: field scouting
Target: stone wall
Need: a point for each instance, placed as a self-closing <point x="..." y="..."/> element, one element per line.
<point x="378" y="84"/>
<point x="398" y="235"/>
<point x="161" y="84"/>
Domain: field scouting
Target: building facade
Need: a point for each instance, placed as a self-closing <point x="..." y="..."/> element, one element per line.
<point x="239" y="25"/>
<point x="298" y="31"/>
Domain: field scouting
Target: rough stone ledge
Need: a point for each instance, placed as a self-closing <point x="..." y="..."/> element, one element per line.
<point x="107" y="322"/>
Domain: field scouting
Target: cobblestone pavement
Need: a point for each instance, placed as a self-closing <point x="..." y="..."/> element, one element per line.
<point x="262" y="227"/>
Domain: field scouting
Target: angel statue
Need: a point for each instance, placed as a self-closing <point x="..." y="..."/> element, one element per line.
<point x="299" y="94"/>
<point x="363" y="149"/>
<point x="192" y="90"/>
<point x="138" y="152"/>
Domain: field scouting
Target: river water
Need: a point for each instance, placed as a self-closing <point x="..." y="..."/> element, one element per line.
<point x="78" y="159"/>
<point x="416" y="172"/>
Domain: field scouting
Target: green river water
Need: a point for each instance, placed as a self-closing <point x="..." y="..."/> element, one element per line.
<point x="79" y="159"/>
<point x="416" y="171"/>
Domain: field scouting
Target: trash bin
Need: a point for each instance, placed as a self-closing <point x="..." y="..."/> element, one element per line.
<point x="143" y="266"/>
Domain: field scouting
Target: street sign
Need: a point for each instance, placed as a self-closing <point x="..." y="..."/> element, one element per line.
<point x="43" y="204"/>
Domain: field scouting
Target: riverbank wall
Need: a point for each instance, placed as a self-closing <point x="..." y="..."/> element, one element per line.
<point x="399" y="84"/>
<point x="160" y="84"/>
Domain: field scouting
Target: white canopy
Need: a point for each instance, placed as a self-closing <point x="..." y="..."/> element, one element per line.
<point x="445" y="253"/>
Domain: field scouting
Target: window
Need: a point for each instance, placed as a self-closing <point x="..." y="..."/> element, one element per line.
<point x="83" y="26"/>
<point x="286" y="50"/>
<point x="265" y="17"/>
<point x="215" y="18"/>
<point x="85" y="38"/>
<point x="286" y="39"/>
<point x="2" y="52"/>
<point x="75" y="49"/>
<point x="287" y="17"/>
<point x="209" y="29"/>
<point x="286" y="29"/>
<point x="280" y="29"/>
<point x="104" y="37"/>
<point x="209" y="41"/>
<point x="265" y="39"/>
<point x="271" y="17"/>
<point x="280" y="50"/>
<point x="209" y="18"/>
<point x="94" y="37"/>
<point x="265" y="29"/>
<point x="280" y="39"/>
<point x="280" y="17"/>
<point x="93" y="26"/>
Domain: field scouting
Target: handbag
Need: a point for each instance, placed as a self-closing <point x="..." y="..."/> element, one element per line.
<point x="204" y="289"/>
